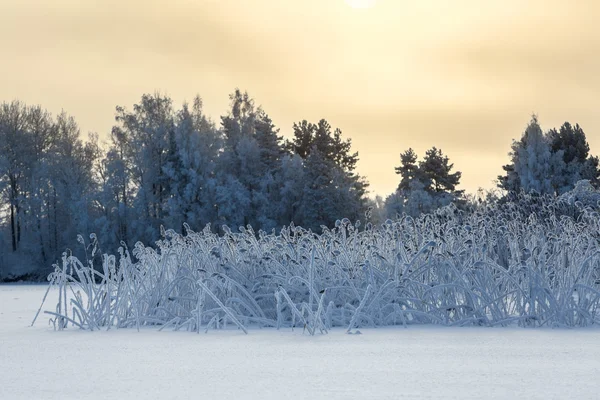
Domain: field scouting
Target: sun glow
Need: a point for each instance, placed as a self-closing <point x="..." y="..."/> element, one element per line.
<point x="361" y="3"/>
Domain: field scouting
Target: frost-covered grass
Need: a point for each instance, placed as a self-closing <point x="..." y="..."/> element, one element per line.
<point x="498" y="266"/>
<point x="422" y="362"/>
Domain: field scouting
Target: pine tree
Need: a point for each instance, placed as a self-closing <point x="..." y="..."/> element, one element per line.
<point x="424" y="186"/>
<point x="569" y="145"/>
<point x="303" y="139"/>
<point x="342" y="184"/>
<point x="319" y="206"/>
<point x="408" y="169"/>
<point x="192" y="169"/>
<point x="330" y="144"/>
<point x="291" y="184"/>
<point x="252" y="158"/>
<point x="269" y="143"/>
<point x="550" y="163"/>
<point x="571" y="140"/>
<point x="435" y="173"/>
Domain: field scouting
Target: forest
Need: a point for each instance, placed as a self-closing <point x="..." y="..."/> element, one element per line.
<point x="168" y="168"/>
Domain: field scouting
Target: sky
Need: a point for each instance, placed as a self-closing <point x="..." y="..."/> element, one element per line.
<point x="462" y="75"/>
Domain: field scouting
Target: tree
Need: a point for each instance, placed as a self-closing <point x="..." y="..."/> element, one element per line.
<point x="408" y="169"/>
<point x="26" y="135"/>
<point x="291" y="192"/>
<point x="251" y="159"/>
<point x="424" y="186"/>
<point x="330" y="144"/>
<point x="303" y="139"/>
<point x="46" y="183"/>
<point x="571" y="140"/>
<point x="192" y="169"/>
<point x="576" y="163"/>
<point x="530" y="167"/>
<point x="165" y="166"/>
<point x="435" y="173"/>
<point x="117" y="192"/>
<point x="321" y="205"/>
<point x="14" y="151"/>
<point x="549" y="163"/>
<point x="147" y="134"/>
<point x="332" y="189"/>
<point x="394" y="204"/>
<point x="72" y="185"/>
<point x="269" y="143"/>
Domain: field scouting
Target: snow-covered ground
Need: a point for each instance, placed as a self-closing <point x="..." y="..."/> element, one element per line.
<point x="391" y="363"/>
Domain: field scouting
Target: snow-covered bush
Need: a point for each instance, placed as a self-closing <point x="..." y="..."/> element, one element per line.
<point x="584" y="195"/>
<point x="493" y="267"/>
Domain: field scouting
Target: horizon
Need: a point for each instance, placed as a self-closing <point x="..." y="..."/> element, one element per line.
<point x="464" y="77"/>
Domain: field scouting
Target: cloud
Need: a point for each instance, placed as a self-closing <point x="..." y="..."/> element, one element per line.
<point x="462" y="75"/>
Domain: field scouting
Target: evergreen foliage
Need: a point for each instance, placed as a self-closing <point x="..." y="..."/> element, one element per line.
<point x="332" y="190"/>
<point x="424" y="186"/>
<point x="549" y="163"/>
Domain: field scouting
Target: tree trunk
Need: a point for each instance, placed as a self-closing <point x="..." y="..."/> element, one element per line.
<point x="39" y="226"/>
<point x="18" y="220"/>
<point x="124" y="221"/>
<point x="55" y="221"/>
<point x="13" y="228"/>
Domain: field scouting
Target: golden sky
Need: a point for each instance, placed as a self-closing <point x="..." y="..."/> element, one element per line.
<point x="462" y="75"/>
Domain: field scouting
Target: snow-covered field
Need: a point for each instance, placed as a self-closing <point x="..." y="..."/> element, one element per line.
<point x="388" y="363"/>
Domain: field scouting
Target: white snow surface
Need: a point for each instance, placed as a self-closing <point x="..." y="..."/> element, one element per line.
<point x="389" y="363"/>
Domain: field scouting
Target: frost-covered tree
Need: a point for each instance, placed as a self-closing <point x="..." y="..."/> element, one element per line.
<point x="192" y="169"/>
<point x="329" y="194"/>
<point x="148" y="134"/>
<point x="163" y="166"/>
<point x="320" y="204"/>
<point x="72" y="184"/>
<point x="46" y="183"/>
<point x="376" y="213"/>
<point x="269" y="142"/>
<point x="250" y="164"/>
<point x="308" y="136"/>
<point x="435" y="173"/>
<point x="116" y="193"/>
<point x="332" y="185"/>
<point x="233" y="202"/>
<point x="291" y="190"/>
<point x="394" y="205"/>
<point x="531" y="164"/>
<point x="419" y="200"/>
<point x="569" y="145"/>
<point x="549" y="163"/>
<point x="14" y="151"/>
<point x="26" y="135"/>
<point x="584" y="194"/>
<point x="408" y="169"/>
<point x="424" y="186"/>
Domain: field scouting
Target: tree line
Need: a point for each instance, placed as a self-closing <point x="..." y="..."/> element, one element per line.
<point x="168" y="166"/>
<point x="548" y="163"/>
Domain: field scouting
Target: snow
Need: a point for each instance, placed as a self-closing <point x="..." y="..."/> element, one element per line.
<point x="387" y="363"/>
